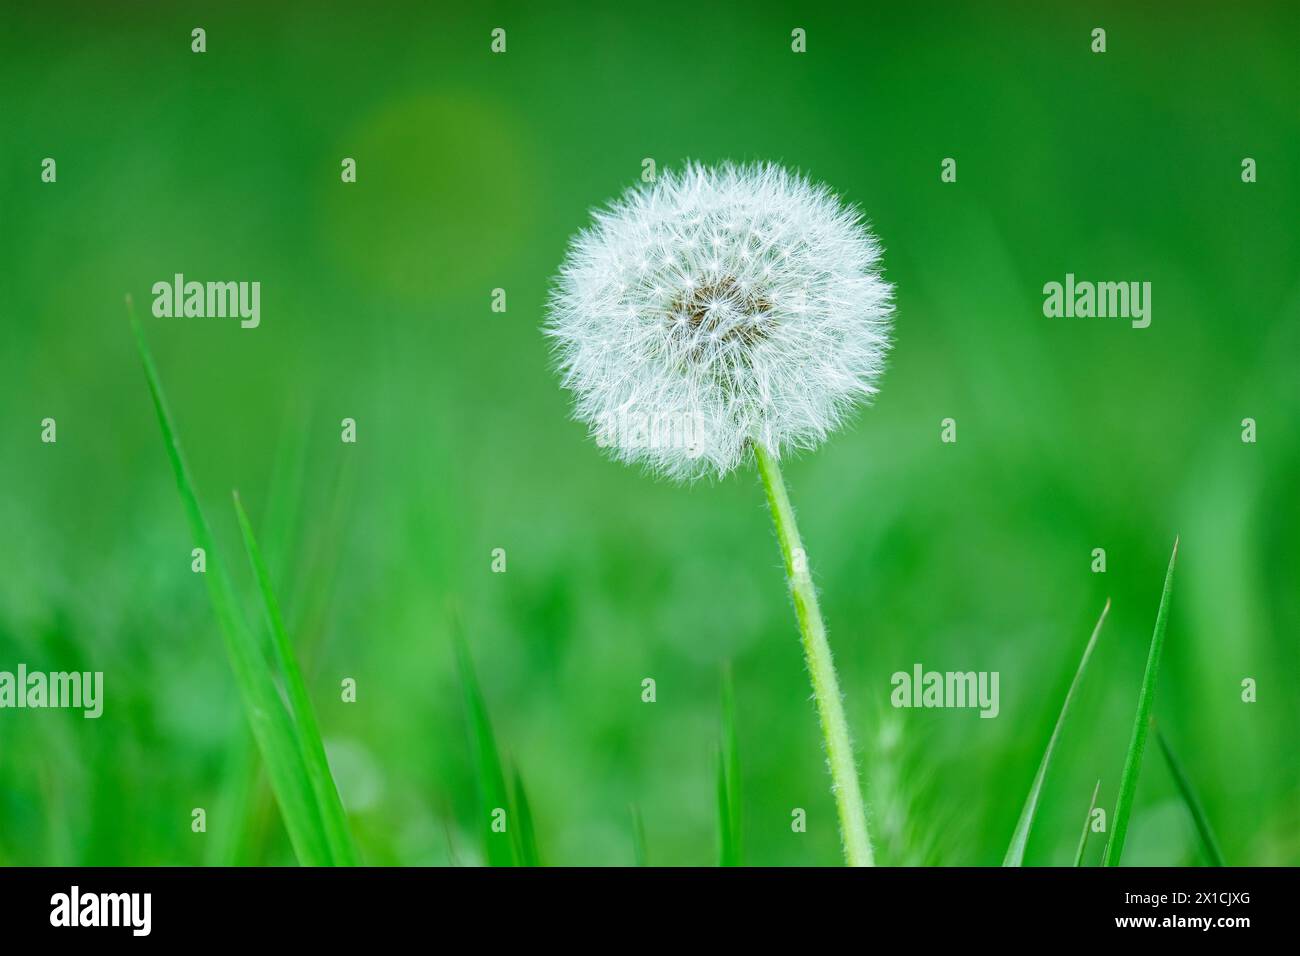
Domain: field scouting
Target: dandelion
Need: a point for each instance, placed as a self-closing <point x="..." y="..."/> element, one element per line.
<point x="744" y="307"/>
<point x="744" y="298"/>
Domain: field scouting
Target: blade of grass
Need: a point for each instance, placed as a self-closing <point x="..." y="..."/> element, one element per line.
<point x="329" y="806"/>
<point x="729" y="850"/>
<point x="284" y="498"/>
<point x="1015" y="855"/>
<point x="453" y="858"/>
<point x="1194" y="805"/>
<point x="638" y="837"/>
<point x="243" y="796"/>
<point x="1087" y="826"/>
<point x="241" y="787"/>
<point x="498" y="847"/>
<point x="525" y="833"/>
<point x="270" y="722"/>
<point x="1137" y="744"/>
<point x="315" y="576"/>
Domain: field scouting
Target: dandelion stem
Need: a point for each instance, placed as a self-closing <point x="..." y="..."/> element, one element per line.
<point x="821" y="669"/>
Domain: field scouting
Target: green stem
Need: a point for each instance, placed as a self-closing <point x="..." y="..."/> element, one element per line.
<point x="821" y="669"/>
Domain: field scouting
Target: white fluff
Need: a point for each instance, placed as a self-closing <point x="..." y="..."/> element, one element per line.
<point x="715" y="307"/>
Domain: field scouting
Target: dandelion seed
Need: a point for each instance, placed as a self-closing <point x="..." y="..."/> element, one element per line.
<point x="786" y="283"/>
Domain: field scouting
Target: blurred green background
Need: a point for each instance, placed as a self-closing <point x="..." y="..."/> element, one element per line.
<point x="473" y="171"/>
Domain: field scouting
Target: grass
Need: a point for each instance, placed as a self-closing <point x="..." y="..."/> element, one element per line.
<point x="1087" y="826"/>
<point x="282" y="737"/>
<point x="288" y="736"/>
<point x="1072" y="434"/>
<point x="729" y="813"/>
<point x="639" y="855"/>
<point x="525" y="832"/>
<point x="1015" y="855"/>
<point x="1141" y="722"/>
<point x="1209" y="843"/>
<point x="244" y="798"/>
<point x="330" y="806"/>
<point x="283" y="722"/>
<point x="289" y="740"/>
<point x="489" y="772"/>
<point x="516" y="845"/>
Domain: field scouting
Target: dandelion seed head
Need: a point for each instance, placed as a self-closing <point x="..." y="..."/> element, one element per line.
<point x="745" y="299"/>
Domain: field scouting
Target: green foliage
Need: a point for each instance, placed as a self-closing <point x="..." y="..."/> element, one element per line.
<point x="1137" y="744"/>
<point x="1073" y="434"/>
<point x="1209" y="843"/>
<point x="526" y="836"/>
<point x="1015" y="855"/>
<point x="729" y="800"/>
<point x="284" y="738"/>
<point x="517" y="844"/>
<point x="329" y="806"/>
<point x="1087" y="826"/>
<point x="639" y="855"/>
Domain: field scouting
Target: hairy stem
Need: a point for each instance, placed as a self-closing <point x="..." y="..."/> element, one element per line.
<point x="821" y="669"/>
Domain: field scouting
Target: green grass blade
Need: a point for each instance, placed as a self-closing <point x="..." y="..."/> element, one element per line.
<point x="729" y="821"/>
<point x="267" y="717"/>
<point x="639" y="854"/>
<point x="1087" y="826"/>
<point x="1015" y="855"/>
<point x="1138" y="742"/>
<point x="282" y="516"/>
<point x="1194" y="805"/>
<point x="243" y="790"/>
<point x="525" y="832"/>
<point x="499" y="849"/>
<point x="310" y="745"/>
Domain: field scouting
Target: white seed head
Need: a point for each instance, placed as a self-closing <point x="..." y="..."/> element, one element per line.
<point x="717" y="307"/>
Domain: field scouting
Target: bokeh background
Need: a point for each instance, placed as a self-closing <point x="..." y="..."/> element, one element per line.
<point x="473" y="171"/>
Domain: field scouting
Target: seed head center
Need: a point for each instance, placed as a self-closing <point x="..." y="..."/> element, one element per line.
<point x="721" y="312"/>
